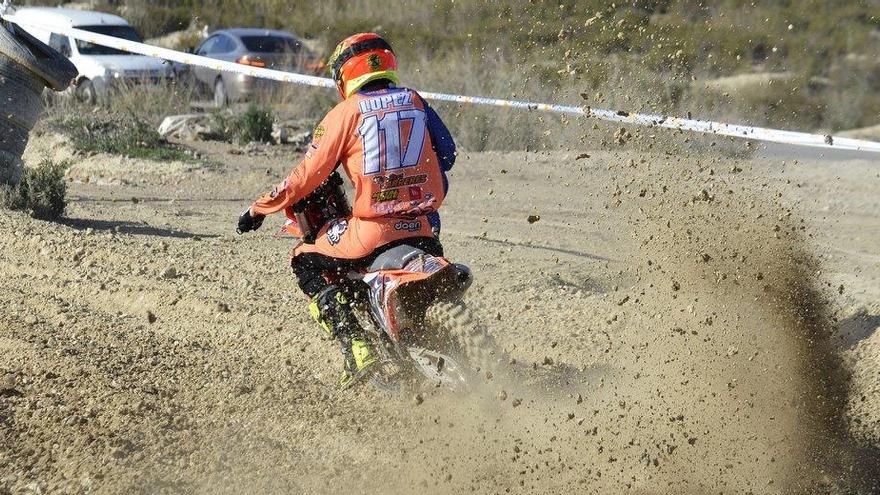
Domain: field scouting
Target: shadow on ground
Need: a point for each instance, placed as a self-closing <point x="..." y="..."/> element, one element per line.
<point x="131" y="228"/>
<point x="858" y="327"/>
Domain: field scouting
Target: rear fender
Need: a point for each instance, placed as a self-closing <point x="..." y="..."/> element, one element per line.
<point x="399" y="298"/>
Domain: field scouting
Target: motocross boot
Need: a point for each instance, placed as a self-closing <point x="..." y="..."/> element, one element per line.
<point x="333" y="312"/>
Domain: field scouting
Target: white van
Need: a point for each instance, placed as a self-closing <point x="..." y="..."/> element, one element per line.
<point x="100" y="68"/>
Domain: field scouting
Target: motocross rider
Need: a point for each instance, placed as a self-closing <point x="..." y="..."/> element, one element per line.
<point x="396" y="151"/>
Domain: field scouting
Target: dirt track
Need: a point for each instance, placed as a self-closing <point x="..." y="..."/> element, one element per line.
<point x="671" y="319"/>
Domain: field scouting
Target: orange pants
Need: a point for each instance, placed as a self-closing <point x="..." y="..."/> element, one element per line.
<point x="355" y="237"/>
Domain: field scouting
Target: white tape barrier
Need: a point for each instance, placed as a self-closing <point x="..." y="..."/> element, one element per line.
<point x="702" y="126"/>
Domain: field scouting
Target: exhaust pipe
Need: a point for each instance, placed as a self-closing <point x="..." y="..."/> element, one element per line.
<point x="27" y="66"/>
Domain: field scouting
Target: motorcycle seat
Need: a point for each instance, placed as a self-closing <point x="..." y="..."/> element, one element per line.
<point x="395" y="258"/>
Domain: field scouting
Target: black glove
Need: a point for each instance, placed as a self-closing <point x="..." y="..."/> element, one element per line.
<point x="248" y="222"/>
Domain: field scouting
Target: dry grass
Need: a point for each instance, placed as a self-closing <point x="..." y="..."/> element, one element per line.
<point x="125" y="124"/>
<point x="146" y="103"/>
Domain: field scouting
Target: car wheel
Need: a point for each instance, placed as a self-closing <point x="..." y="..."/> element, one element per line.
<point x="85" y="92"/>
<point x="221" y="98"/>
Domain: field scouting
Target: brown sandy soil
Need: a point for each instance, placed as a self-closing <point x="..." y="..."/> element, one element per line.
<point x="675" y="323"/>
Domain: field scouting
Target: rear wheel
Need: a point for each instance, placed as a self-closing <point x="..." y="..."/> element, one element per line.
<point x="456" y="323"/>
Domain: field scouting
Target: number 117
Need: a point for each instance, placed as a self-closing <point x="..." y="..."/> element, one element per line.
<point x="394" y="154"/>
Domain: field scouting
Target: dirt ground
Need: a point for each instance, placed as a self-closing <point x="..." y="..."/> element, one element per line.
<point x="676" y="321"/>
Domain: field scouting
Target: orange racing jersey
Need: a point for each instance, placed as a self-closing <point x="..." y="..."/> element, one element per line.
<point x="381" y="140"/>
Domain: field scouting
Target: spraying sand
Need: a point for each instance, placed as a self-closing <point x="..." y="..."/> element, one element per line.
<point x="673" y="322"/>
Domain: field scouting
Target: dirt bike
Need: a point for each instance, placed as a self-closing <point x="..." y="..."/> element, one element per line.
<point x="408" y="302"/>
<point x="409" y="306"/>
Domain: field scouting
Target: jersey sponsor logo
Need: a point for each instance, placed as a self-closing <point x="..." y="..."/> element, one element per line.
<point x="398" y="99"/>
<point x="386" y="208"/>
<point x="408" y="208"/>
<point x="386" y="195"/>
<point x="318" y="133"/>
<point x="415" y="192"/>
<point x="334" y="233"/>
<point x="400" y="180"/>
<point x="408" y="225"/>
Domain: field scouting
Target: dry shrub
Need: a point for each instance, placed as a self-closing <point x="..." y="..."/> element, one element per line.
<point x="117" y="134"/>
<point x="41" y="192"/>
<point x="254" y="125"/>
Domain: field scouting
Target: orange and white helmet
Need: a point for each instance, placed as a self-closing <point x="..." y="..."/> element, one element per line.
<point x="359" y="59"/>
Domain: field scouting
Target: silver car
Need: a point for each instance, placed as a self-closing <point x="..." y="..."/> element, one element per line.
<point x="279" y="50"/>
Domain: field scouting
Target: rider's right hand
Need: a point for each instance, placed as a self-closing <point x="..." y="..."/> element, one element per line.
<point x="248" y="222"/>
